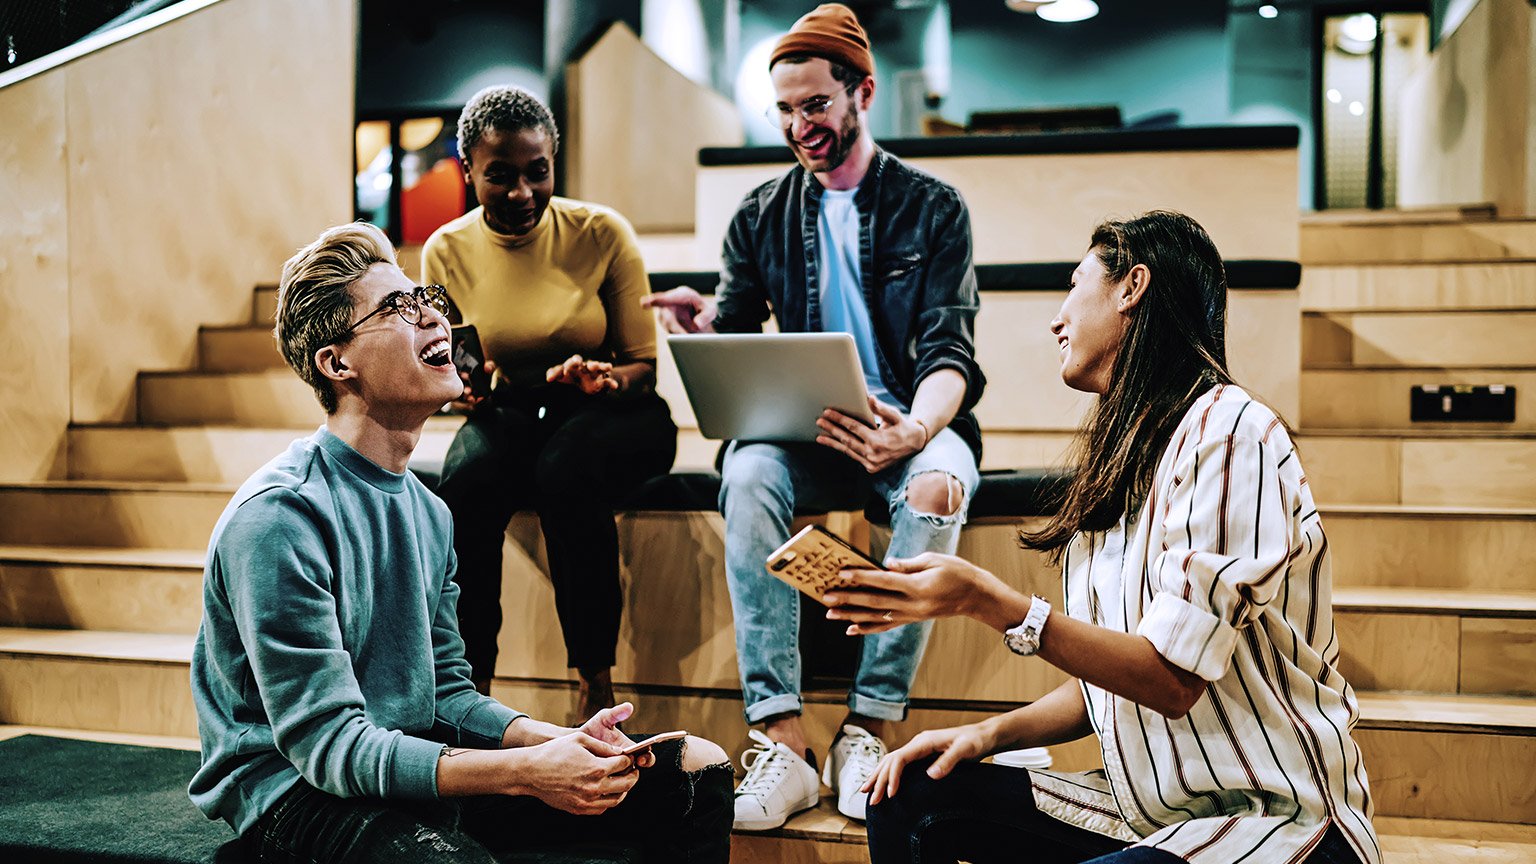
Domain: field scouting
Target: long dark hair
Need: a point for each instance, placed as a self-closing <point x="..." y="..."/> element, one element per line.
<point x="1174" y="350"/>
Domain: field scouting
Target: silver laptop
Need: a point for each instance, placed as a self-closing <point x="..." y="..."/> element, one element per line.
<point x="769" y="386"/>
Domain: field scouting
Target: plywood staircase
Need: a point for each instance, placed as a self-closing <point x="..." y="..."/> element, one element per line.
<point x="1434" y="532"/>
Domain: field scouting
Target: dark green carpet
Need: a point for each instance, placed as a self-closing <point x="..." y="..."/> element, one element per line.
<point x="63" y="800"/>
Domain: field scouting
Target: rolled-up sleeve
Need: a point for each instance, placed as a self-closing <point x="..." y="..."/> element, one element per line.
<point x="1230" y="533"/>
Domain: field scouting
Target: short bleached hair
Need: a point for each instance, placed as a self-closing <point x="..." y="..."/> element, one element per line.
<point x="314" y="298"/>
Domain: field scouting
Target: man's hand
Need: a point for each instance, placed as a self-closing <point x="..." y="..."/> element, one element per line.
<point x="897" y="437"/>
<point x="470" y="401"/>
<point x="681" y="310"/>
<point x="953" y="746"/>
<point x="927" y="586"/>
<point x="589" y="376"/>
<point x="604" y="727"/>
<point x="577" y="773"/>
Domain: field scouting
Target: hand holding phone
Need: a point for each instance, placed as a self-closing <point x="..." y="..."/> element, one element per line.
<point x="643" y="745"/>
<point x="469" y="358"/>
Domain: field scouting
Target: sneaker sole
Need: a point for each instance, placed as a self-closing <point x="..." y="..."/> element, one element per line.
<point x="768" y="824"/>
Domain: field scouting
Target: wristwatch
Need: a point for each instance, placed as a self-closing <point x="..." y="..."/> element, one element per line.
<point x="1024" y="639"/>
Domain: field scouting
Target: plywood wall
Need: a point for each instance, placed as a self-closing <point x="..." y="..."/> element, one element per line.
<point x="201" y="154"/>
<point x="34" y="280"/>
<point x="1465" y="133"/>
<point x="1044" y="207"/>
<point x="633" y="131"/>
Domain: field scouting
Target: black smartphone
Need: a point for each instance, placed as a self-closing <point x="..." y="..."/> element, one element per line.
<point x="470" y="358"/>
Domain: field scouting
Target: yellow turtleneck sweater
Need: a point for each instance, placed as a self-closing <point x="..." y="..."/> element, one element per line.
<point x="572" y="285"/>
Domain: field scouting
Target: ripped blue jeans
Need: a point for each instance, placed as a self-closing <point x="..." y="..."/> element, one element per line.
<point x="762" y="484"/>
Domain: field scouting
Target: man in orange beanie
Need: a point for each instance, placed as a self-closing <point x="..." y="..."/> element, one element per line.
<point x="851" y="240"/>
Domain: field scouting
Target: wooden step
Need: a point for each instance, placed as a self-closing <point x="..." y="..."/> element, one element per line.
<point x="1437" y="641"/>
<point x="1378" y="398"/>
<point x="120" y="682"/>
<point x="1401" y="546"/>
<point x="265" y="399"/>
<point x="1417" y="242"/>
<point x="84" y="588"/>
<point x="1440" y="338"/>
<point x="1408" y="467"/>
<point x="174" y="742"/>
<point x="92" y="513"/>
<point x="237" y="349"/>
<point x="264" y="305"/>
<point x="1381" y="287"/>
<point x="204" y="454"/>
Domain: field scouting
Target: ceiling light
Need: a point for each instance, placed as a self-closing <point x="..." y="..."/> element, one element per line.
<point x="1334" y="95"/>
<point x="1268" y="11"/>
<point x="1067" y="11"/>
<point x="1360" y="28"/>
<point x="1356" y="108"/>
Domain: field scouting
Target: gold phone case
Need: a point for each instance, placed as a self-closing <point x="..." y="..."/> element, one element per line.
<point x="812" y="559"/>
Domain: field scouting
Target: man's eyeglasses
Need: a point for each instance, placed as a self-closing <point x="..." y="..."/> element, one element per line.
<point x="814" y="110"/>
<point x="409" y="306"/>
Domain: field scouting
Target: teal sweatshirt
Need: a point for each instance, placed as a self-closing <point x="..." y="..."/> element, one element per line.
<point x="329" y="647"/>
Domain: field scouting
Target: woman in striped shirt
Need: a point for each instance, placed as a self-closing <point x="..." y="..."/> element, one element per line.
<point x="1198" y="626"/>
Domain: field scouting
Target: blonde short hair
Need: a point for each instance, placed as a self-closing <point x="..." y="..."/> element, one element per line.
<point x="314" y="298"/>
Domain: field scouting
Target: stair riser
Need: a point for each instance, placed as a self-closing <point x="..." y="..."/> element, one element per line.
<point x="1425" y="472"/>
<point x="225" y="350"/>
<point x="161" y="519"/>
<point x="240" y="400"/>
<point x="1437" y="653"/>
<point x="150" y="698"/>
<point x="264" y="306"/>
<point x="1414" y="339"/>
<point x="194" y="454"/>
<point x="1471" y="241"/>
<point x="1379" y="399"/>
<point x="129" y="599"/>
<point x="1428" y="287"/>
<point x="1474" y="553"/>
<point x="1447" y="775"/>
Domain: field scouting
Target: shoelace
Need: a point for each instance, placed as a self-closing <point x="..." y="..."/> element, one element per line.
<point x="765" y="765"/>
<point x="864" y="751"/>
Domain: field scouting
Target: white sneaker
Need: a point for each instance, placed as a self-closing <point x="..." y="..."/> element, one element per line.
<point x="852" y="761"/>
<point x="778" y="785"/>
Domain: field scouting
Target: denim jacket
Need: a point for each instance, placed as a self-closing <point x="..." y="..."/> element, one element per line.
<point x="914" y="261"/>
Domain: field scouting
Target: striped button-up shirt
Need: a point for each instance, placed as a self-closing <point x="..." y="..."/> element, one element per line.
<point x="1225" y="569"/>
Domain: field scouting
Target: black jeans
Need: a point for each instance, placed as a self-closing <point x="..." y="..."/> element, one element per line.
<point x="984" y="813"/>
<point x="669" y="816"/>
<point x="570" y="458"/>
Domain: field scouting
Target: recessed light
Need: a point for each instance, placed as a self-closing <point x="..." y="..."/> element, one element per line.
<point x="1067" y="11"/>
<point x="1268" y="11"/>
<point x="1356" y="108"/>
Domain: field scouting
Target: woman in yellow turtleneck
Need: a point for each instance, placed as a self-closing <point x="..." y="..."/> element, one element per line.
<point x="573" y="423"/>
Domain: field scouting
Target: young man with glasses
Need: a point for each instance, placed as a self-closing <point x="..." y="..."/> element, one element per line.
<point x="851" y="240"/>
<point x="337" y="718"/>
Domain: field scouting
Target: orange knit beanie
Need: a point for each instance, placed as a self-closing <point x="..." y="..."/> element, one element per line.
<point x="830" y="31"/>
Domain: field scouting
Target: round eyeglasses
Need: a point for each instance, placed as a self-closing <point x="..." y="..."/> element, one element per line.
<point x="409" y="306"/>
<point x="813" y="110"/>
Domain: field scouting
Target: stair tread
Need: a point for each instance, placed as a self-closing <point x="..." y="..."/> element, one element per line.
<point x="1448" y="712"/>
<point x="1447" y="510"/>
<point x="1438" y="432"/>
<point x="1460" y="369"/>
<point x="104" y="556"/>
<point x="98" y="644"/>
<point x="1500" y="604"/>
<point x="435" y="423"/>
<point x="175" y="742"/>
<point x="120" y="486"/>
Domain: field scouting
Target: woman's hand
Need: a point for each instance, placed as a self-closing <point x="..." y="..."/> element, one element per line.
<point x="953" y="745"/>
<point x="913" y="589"/>
<point x="604" y="727"/>
<point x="876" y="448"/>
<point x="589" y="376"/>
<point x="470" y="401"/>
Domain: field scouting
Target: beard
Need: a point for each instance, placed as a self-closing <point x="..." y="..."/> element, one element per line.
<point x="841" y="145"/>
